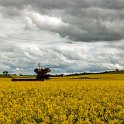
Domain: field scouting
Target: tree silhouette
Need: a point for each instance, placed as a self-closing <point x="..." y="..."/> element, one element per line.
<point x="117" y="70"/>
<point x="5" y="72"/>
<point x="42" y="73"/>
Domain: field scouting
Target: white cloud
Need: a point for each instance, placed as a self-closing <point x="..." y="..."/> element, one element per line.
<point x="79" y="36"/>
<point x="44" y="22"/>
<point x="63" y="57"/>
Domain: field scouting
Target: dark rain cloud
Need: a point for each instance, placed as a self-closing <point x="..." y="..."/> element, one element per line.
<point x="95" y="20"/>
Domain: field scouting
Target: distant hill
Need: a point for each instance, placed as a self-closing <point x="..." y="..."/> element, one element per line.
<point x="113" y="72"/>
<point x="61" y="75"/>
<point x="5" y="76"/>
<point x="105" y="72"/>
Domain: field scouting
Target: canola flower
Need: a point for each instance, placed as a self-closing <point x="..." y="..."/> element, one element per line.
<point x="62" y="101"/>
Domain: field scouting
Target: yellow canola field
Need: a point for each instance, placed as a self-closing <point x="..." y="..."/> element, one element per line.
<point x="62" y="101"/>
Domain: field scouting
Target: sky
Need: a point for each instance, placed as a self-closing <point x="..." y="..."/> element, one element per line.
<point x="67" y="36"/>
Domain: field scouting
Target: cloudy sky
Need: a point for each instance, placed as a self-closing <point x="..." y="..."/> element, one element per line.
<point x="65" y="35"/>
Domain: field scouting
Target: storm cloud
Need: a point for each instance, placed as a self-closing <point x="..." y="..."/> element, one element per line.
<point x="72" y="35"/>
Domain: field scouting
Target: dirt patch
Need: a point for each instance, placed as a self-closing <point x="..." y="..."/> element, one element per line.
<point x="25" y="79"/>
<point x="85" y="78"/>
